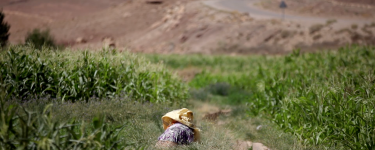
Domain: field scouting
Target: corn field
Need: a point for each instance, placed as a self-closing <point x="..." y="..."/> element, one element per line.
<point x="324" y="98"/>
<point x="38" y="85"/>
<point x="27" y="73"/>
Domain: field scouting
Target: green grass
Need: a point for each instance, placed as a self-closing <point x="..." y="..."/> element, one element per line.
<point x="321" y="100"/>
<point x="81" y="99"/>
<point x="35" y="117"/>
<point x="130" y="124"/>
<point x="324" y="98"/>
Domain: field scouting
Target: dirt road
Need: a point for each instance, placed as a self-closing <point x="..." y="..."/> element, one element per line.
<point x="248" y="6"/>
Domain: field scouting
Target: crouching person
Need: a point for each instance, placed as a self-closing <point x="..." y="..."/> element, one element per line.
<point x="178" y="129"/>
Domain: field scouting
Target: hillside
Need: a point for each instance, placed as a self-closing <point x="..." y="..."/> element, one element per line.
<point x="182" y="27"/>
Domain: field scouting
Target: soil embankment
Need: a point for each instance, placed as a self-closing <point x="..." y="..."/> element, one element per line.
<point x="186" y="27"/>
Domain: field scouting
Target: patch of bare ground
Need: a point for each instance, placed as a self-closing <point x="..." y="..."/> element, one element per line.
<point x="193" y="28"/>
<point x="242" y="131"/>
<point x="25" y="15"/>
<point x="212" y="113"/>
<point x="188" y="74"/>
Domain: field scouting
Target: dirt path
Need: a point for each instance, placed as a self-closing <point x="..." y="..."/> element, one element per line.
<point x="248" y="6"/>
<point x="212" y="114"/>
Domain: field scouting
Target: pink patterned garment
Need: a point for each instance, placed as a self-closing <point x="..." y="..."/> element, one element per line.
<point x="178" y="133"/>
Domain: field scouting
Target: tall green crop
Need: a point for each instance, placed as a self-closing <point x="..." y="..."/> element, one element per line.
<point x="324" y="98"/>
<point x="75" y="76"/>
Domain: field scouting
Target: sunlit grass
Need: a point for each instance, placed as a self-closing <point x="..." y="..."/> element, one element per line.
<point x="324" y="98"/>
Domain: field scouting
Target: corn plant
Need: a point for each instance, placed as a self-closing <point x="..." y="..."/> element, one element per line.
<point x="78" y="76"/>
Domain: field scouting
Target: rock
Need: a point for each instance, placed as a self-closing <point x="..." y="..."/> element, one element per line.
<point x="171" y="46"/>
<point x="243" y="145"/>
<point x="80" y="40"/>
<point x="181" y="10"/>
<point x="259" y="146"/>
<point x="226" y="112"/>
<point x="156" y="24"/>
<point x="108" y="42"/>
<point x="125" y="15"/>
<point x="183" y="38"/>
<point x="203" y="27"/>
<point x="199" y="35"/>
<point x="214" y="115"/>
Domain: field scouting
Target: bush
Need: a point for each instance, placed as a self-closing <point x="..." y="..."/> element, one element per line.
<point x="331" y="21"/>
<point x="222" y="89"/>
<point x="286" y="34"/>
<point x="316" y="28"/>
<point x="354" y="26"/>
<point x="4" y="30"/>
<point x="40" y="38"/>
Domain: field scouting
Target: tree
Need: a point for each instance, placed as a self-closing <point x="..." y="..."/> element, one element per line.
<point x="40" y="38"/>
<point x="4" y="30"/>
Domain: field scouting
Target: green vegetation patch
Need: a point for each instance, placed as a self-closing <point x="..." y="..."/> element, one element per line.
<point x="83" y="100"/>
<point x="324" y="98"/>
<point x="75" y="75"/>
<point x="38" y="131"/>
<point x="40" y="38"/>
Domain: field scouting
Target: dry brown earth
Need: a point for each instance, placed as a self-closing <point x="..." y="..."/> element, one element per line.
<point x="174" y="26"/>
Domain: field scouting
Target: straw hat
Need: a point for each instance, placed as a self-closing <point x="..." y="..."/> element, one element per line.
<point x="184" y="116"/>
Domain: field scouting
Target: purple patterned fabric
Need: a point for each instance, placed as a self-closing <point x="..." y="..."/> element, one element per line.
<point x="178" y="133"/>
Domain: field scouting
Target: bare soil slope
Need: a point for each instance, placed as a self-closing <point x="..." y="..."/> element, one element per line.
<point x="172" y="26"/>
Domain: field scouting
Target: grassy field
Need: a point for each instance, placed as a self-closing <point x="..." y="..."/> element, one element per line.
<point x="324" y="99"/>
<point x="102" y="100"/>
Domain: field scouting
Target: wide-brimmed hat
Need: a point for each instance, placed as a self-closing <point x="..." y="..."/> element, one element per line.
<point x="184" y="116"/>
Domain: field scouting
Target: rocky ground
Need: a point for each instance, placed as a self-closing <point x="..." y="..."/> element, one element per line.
<point x="170" y="26"/>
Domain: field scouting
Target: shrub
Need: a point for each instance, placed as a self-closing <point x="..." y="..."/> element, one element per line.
<point x="4" y="30"/>
<point x="317" y="37"/>
<point x="331" y="21"/>
<point x="40" y="38"/>
<point x="316" y="28"/>
<point x="286" y="34"/>
<point x="354" y="26"/>
<point x="221" y="89"/>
